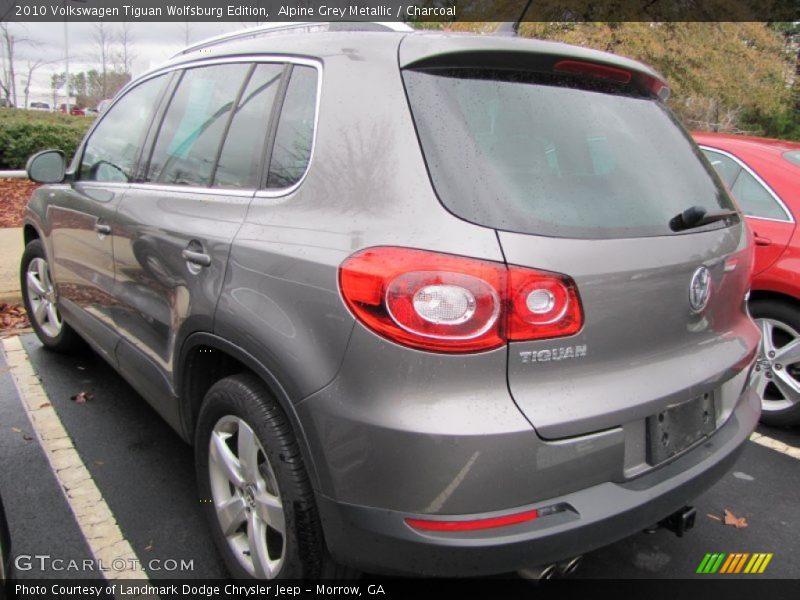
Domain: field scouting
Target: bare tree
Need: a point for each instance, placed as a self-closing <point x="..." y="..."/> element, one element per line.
<point x="9" y="42"/>
<point x="125" y="41"/>
<point x="32" y="66"/>
<point x="57" y="80"/>
<point x="103" y="51"/>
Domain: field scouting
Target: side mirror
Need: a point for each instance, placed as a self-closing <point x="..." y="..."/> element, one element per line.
<point x="48" y="166"/>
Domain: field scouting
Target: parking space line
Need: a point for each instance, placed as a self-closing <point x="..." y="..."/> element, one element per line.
<point x="94" y="517"/>
<point x="776" y="445"/>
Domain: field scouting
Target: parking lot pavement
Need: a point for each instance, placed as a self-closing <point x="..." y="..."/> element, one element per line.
<point x="145" y="473"/>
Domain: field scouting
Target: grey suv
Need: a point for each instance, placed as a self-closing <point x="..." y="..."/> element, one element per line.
<point x="423" y="303"/>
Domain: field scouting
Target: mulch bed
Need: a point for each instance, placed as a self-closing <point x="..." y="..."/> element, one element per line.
<point x="14" y="195"/>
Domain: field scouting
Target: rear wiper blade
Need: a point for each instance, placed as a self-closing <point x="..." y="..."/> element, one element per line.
<point x="697" y="216"/>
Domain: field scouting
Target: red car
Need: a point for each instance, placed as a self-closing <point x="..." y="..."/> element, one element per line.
<point x="75" y="111"/>
<point x="764" y="177"/>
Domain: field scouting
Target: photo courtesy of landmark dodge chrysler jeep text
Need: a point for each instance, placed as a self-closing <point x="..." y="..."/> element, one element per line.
<point x="424" y="303"/>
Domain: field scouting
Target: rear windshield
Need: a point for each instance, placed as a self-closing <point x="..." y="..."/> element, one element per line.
<point x="553" y="156"/>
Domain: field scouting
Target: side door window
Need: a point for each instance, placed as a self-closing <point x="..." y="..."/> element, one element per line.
<point x="755" y="199"/>
<point x="294" y="137"/>
<point x="194" y="124"/>
<point x="240" y="160"/>
<point x="112" y="150"/>
<point x="726" y="167"/>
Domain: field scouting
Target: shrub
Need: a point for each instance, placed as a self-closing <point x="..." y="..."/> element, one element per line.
<point x="24" y="132"/>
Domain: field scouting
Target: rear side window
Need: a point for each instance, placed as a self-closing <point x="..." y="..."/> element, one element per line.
<point x="240" y="160"/>
<point x="111" y="152"/>
<point x="291" y="151"/>
<point x="727" y="168"/>
<point x="193" y="126"/>
<point x="555" y="156"/>
<point x="755" y="199"/>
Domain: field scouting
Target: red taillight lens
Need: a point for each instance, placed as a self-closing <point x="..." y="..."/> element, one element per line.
<point x="475" y="524"/>
<point x="426" y="300"/>
<point x="543" y="305"/>
<point x="448" y="303"/>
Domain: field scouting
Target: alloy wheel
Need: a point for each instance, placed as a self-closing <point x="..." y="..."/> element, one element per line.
<point x="42" y="297"/>
<point x="246" y="498"/>
<point x="776" y="376"/>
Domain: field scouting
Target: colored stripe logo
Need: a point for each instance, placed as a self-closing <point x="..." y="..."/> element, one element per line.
<point x="737" y="562"/>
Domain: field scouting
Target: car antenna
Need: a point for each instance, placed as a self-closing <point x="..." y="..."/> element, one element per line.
<point x="512" y="29"/>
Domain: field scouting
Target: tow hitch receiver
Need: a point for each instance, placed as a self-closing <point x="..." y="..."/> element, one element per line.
<point x="680" y="521"/>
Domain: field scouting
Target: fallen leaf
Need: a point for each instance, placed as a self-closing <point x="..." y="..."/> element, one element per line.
<point x="26" y="437"/>
<point x="12" y="317"/>
<point x="715" y="517"/>
<point x="82" y="397"/>
<point x="149" y="547"/>
<point x="731" y="519"/>
<point x="16" y="430"/>
<point x="44" y="404"/>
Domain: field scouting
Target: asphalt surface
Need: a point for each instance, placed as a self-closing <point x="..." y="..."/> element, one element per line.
<point x="146" y="475"/>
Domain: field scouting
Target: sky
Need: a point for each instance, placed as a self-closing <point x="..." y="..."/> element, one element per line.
<point x="153" y="44"/>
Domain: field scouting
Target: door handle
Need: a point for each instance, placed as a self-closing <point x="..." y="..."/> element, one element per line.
<point x="761" y="241"/>
<point x="102" y="228"/>
<point x="196" y="258"/>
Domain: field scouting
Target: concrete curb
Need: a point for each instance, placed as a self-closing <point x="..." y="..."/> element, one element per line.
<point x="13" y="174"/>
<point x="11" y="248"/>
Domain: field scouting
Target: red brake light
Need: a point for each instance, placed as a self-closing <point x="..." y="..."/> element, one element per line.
<point x="476" y="524"/>
<point x="426" y="300"/>
<point x="448" y="303"/>
<point x="543" y="305"/>
<point x="595" y="70"/>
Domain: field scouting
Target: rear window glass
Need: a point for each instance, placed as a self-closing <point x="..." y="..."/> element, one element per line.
<point x="793" y="156"/>
<point x="546" y="155"/>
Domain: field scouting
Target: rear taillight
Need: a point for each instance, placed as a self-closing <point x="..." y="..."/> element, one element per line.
<point x="446" y="303"/>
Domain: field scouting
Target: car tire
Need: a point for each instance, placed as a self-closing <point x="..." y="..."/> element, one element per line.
<point x="39" y="298"/>
<point x="240" y="419"/>
<point x="776" y="376"/>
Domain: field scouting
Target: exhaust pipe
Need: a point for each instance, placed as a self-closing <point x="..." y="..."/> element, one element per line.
<point x="568" y="567"/>
<point x="540" y="573"/>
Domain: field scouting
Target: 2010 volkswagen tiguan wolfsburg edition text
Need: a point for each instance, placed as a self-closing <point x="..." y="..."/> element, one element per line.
<point x="423" y="303"/>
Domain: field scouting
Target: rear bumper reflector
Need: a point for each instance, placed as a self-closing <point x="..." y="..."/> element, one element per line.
<point x="489" y="523"/>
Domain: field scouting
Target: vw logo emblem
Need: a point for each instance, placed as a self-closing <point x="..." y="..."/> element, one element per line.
<point x="700" y="289"/>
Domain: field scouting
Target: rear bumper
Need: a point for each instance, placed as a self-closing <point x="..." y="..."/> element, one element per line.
<point x="378" y="540"/>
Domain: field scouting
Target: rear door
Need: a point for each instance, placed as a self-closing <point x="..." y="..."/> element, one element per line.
<point x="174" y="230"/>
<point x="581" y="175"/>
<point x="772" y="223"/>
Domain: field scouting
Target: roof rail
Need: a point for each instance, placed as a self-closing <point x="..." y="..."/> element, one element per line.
<point x="300" y="27"/>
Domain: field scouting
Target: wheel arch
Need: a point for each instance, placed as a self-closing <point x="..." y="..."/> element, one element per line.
<point x="758" y="295"/>
<point x="205" y="359"/>
<point x="30" y="233"/>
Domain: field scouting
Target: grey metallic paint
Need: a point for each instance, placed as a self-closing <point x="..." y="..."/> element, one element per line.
<point x="388" y="431"/>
